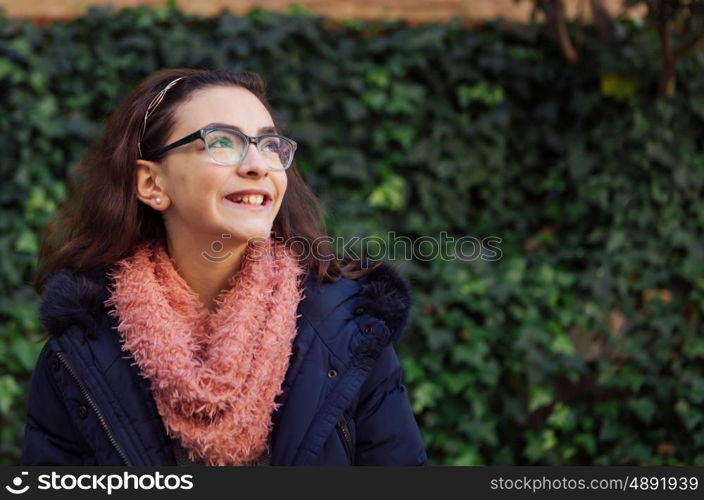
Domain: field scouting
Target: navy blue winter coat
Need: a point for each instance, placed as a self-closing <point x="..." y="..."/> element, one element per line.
<point x="343" y="400"/>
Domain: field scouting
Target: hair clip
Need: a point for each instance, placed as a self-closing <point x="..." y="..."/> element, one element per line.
<point x="150" y="110"/>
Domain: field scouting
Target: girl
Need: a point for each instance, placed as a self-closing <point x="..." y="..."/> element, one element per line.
<point x="196" y="312"/>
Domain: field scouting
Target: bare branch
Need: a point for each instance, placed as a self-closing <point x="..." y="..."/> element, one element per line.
<point x="602" y="20"/>
<point x="667" y="77"/>
<point x="689" y="47"/>
<point x="555" y="13"/>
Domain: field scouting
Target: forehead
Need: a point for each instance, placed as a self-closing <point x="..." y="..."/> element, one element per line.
<point x="222" y="104"/>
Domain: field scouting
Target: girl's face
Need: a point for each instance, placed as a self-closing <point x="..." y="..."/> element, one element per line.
<point x="197" y="188"/>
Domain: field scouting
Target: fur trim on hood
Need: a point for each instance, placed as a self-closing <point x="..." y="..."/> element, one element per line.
<point x="386" y="295"/>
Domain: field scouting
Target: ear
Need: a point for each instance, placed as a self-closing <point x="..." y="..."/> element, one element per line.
<point x="150" y="189"/>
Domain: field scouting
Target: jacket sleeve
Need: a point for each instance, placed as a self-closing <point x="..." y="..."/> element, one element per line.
<point x="50" y="437"/>
<point x="386" y="430"/>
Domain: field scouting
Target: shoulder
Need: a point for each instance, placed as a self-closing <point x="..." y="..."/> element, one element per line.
<point x="382" y="294"/>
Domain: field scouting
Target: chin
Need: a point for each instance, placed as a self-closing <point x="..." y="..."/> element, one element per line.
<point x="246" y="237"/>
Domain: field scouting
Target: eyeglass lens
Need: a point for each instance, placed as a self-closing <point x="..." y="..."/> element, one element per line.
<point x="228" y="148"/>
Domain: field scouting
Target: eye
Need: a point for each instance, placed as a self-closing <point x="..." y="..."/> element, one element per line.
<point x="221" y="141"/>
<point x="271" y="145"/>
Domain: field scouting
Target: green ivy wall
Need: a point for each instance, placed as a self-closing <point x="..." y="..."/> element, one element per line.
<point x="581" y="343"/>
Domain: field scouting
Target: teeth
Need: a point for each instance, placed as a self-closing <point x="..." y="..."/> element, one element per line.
<point x="251" y="199"/>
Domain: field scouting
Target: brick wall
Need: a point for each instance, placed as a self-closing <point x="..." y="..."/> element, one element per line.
<point x="411" y="10"/>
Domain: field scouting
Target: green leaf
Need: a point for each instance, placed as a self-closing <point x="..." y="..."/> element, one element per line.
<point x="539" y="397"/>
<point x="390" y="194"/>
<point x="619" y="87"/>
<point x="9" y="391"/>
<point x="644" y="408"/>
<point x="425" y="396"/>
<point x="482" y="92"/>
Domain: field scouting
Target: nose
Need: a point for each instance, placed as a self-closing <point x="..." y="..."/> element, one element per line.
<point x="253" y="164"/>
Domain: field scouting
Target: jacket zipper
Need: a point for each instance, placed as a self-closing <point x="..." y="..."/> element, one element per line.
<point x="344" y="432"/>
<point x="92" y="403"/>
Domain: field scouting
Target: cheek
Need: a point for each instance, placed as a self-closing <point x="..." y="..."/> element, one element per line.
<point x="198" y="190"/>
<point x="211" y="180"/>
<point x="281" y="185"/>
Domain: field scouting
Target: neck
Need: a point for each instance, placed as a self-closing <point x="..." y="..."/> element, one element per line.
<point x="207" y="273"/>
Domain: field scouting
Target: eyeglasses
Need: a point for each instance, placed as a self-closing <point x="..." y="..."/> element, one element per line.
<point x="227" y="146"/>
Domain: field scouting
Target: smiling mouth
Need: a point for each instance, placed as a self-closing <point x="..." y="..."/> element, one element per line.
<point x="256" y="200"/>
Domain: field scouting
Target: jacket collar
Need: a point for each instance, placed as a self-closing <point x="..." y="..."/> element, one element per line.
<point x="69" y="299"/>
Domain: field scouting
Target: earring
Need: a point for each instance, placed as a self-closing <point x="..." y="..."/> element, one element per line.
<point x="157" y="200"/>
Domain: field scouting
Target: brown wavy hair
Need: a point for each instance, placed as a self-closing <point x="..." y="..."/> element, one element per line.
<point x="103" y="221"/>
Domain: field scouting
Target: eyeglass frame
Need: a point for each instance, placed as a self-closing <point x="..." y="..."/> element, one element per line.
<point x="200" y="134"/>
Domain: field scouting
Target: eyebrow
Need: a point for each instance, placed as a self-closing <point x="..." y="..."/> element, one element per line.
<point x="262" y="130"/>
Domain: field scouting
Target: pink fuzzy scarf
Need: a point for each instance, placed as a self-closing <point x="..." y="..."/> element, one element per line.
<point x="214" y="376"/>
